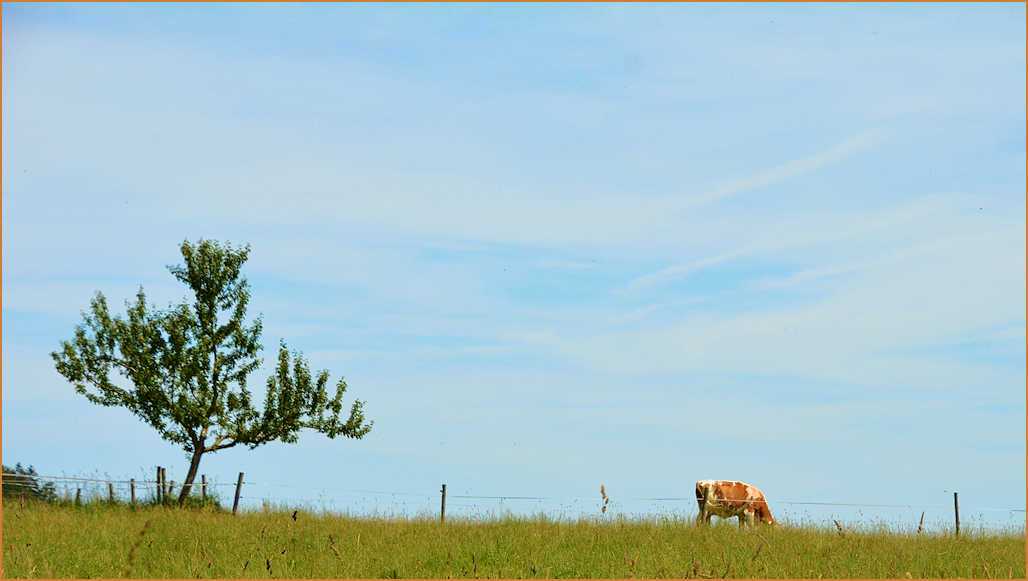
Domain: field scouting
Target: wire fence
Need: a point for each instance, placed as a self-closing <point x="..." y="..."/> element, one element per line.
<point x="346" y="498"/>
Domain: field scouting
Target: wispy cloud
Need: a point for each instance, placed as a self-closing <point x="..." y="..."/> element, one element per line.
<point x="849" y="147"/>
<point x="793" y="169"/>
<point x="869" y="262"/>
<point x="856" y="333"/>
<point x="679" y="271"/>
<point x="805" y="276"/>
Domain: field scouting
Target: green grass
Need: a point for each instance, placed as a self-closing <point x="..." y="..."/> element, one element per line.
<point x="99" y="540"/>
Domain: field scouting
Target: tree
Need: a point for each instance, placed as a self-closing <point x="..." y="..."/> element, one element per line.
<point x="187" y="366"/>
<point x="24" y="483"/>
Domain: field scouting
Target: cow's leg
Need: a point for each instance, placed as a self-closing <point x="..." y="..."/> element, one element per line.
<point x="742" y="519"/>
<point x="704" y="517"/>
<point x="750" y="517"/>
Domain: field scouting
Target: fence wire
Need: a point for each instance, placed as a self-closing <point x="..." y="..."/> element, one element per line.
<point x="34" y="480"/>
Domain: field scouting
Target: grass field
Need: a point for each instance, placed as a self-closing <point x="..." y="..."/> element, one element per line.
<point x="96" y="540"/>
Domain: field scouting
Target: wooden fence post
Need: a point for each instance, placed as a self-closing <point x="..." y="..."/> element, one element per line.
<point x="158" y="485"/>
<point x="956" y="512"/>
<point x="442" y="506"/>
<point x="132" y="491"/>
<point x="110" y="492"/>
<point x="920" y="524"/>
<point x="239" y="486"/>
<point x="203" y="488"/>
<point x="164" y="483"/>
<point x="78" y="496"/>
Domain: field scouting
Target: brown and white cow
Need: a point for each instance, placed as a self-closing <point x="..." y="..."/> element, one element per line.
<point x="731" y="498"/>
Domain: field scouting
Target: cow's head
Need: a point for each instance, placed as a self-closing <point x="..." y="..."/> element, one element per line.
<point x="764" y="514"/>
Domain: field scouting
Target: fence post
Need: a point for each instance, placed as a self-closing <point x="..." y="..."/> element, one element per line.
<point x="442" y="506"/>
<point x="110" y="492"/>
<point x="132" y="491"/>
<point x="78" y="496"/>
<point x="158" y="485"/>
<point x="239" y="486"/>
<point x="956" y="512"/>
<point x="203" y="488"/>
<point x="164" y="484"/>
<point x="920" y="524"/>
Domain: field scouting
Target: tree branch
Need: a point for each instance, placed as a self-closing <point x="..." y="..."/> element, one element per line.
<point x="215" y="447"/>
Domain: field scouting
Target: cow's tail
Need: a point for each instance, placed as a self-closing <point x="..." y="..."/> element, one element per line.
<point x="701" y="495"/>
<point x="701" y="500"/>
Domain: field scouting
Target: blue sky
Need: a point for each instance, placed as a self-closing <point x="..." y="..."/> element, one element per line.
<point x="550" y="245"/>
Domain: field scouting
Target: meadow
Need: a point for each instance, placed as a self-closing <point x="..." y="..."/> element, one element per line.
<point x="97" y="539"/>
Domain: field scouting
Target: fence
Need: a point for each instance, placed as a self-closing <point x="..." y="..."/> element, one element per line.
<point x="162" y="490"/>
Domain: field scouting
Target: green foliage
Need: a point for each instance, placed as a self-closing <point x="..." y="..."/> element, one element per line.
<point x="184" y="369"/>
<point x="25" y="483"/>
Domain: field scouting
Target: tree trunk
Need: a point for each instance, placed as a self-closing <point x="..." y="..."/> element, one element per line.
<point x="194" y="467"/>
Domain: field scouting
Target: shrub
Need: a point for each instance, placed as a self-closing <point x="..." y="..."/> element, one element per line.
<point x="21" y="482"/>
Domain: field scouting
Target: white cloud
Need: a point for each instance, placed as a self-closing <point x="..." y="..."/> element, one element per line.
<point x="679" y="271"/>
<point x="805" y="277"/>
<point x="273" y="171"/>
<point x="948" y="290"/>
<point x="850" y="146"/>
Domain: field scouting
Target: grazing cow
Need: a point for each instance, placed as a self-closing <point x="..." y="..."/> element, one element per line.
<point x="731" y="498"/>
